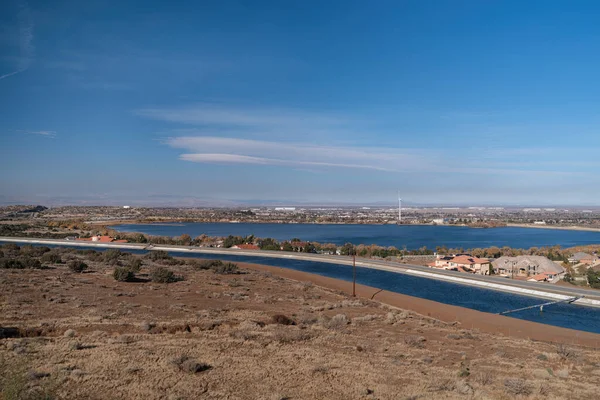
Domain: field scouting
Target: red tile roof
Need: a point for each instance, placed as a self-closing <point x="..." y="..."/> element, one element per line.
<point x="466" y="260"/>
<point x="247" y="246"/>
<point x="101" y="239"/>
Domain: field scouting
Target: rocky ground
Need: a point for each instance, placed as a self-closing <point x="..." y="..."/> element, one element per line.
<point x="254" y="335"/>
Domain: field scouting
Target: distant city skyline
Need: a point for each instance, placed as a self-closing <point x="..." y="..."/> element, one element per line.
<point x="265" y="102"/>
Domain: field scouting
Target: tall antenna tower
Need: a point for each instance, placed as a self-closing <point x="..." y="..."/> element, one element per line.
<point x="399" y="208"/>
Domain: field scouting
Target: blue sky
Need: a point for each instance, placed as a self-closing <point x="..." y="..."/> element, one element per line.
<point x="216" y="102"/>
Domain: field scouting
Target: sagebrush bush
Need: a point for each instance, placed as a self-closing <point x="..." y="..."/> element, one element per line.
<point x="77" y="266"/>
<point x="123" y="274"/>
<point x="10" y="248"/>
<point x="415" y="341"/>
<point x="111" y="256"/>
<point x="34" y="251"/>
<point x="283" y="320"/>
<point x="205" y="264"/>
<point x="92" y="255"/>
<point x="8" y="263"/>
<point x="226" y="268"/>
<point x="517" y="386"/>
<point x="158" y="255"/>
<point x="163" y="275"/>
<point x="51" y="258"/>
<point x="338" y="321"/>
<point x="134" y="264"/>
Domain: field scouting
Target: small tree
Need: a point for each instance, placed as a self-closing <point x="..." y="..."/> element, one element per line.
<point x="347" y="249"/>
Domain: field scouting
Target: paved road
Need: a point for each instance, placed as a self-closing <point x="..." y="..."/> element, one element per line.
<point x="344" y="260"/>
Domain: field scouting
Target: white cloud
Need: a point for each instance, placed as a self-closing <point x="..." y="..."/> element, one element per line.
<point x="215" y="119"/>
<point x="233" y="150"/>
<point x="49" y="134"/>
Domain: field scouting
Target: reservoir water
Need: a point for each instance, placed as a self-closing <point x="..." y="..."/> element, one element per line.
<point x="563" y="315"/>
<point x="409" y="236"/>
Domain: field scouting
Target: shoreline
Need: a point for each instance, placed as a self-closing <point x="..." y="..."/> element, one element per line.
<point x="468" y="318"/>
<point x="560" y="228"/>
<point x="508" y="225"/>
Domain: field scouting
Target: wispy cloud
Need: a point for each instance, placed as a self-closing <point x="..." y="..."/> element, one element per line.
<point x="25" y="40"/>
<point x="214" y="119"/>
<point x="301" y="139"/>
<point x="48" y="134"/>
<point x="219" y="150"/>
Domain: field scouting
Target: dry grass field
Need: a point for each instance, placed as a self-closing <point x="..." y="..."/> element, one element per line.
<point x="254" y="335"/>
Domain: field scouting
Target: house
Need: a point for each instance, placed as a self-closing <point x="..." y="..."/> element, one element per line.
<point x="101" y="239"/>
<point x="527" y="266"/>
<point x="245" y="246"/>
<point x="463" y="263"/>
<point x="583" y="258"/>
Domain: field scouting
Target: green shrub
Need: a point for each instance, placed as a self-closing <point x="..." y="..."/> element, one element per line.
<point x="77" y="266"/>
<point x="162" y="275"/>
<point x="226" y="268"/>
<point x="8" y="263"/>
<point x="123" y="274"/>
<point x="205" y="264"/>
<point x="11" y="247"/>
<point x="111" y="256"/>
<point x="34" y="251"/>
<point x="158" y="255"/>
<point x="51" y="257"/>
<point x="91" y="255"/>
<point x="29" y="262"/>
<point x="134" y="264"/>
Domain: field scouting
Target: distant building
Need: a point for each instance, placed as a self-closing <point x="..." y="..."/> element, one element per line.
<point x="285" y="208"/>
<point x="101" y="239"/>
<point x="126" y="207"/>
<point x="463" y="263"/>
<point x="523" y="266"/>
<point x="245" y="247"/>
<point x="583" y="258"/>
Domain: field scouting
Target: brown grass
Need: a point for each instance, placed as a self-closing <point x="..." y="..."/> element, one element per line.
<point x="100" y="338"/>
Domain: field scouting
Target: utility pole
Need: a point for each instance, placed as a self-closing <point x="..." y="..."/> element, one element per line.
<point x="399" y="209"/>
<point x="354" y="274"/>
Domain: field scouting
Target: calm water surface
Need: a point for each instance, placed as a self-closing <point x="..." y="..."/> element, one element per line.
<point x="413" y="237"/>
